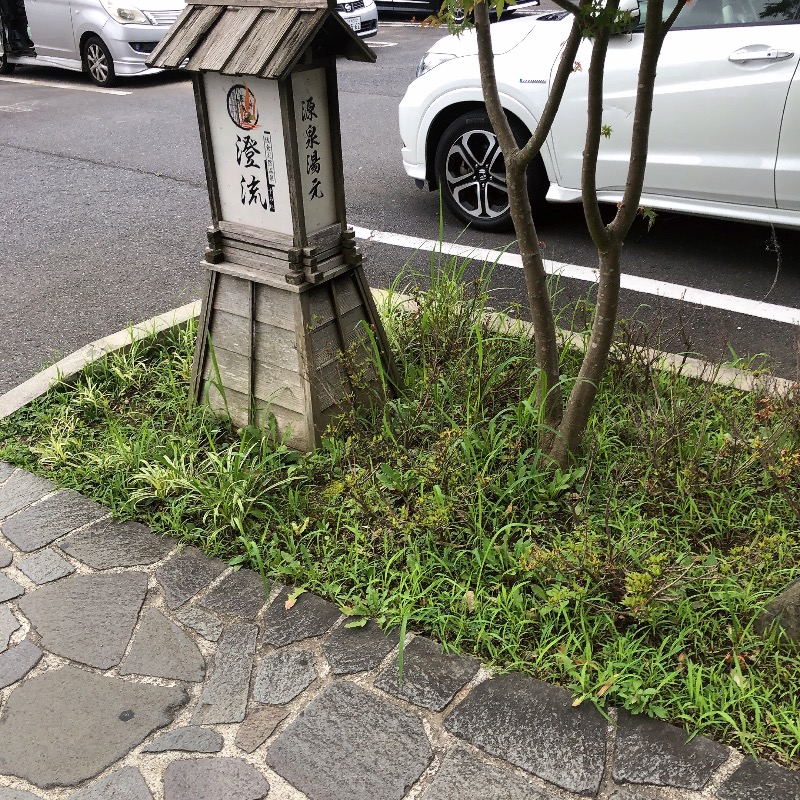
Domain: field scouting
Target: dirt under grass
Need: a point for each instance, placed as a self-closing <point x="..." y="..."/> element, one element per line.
<point x="634" y="579"/>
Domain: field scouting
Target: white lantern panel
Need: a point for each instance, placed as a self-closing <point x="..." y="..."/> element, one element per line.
<point x="244" y="116"/>
<point x="314" y="147"/>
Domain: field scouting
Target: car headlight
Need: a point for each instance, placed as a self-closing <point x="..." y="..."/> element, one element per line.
<point x="431" y="60"/>
<point x="124" y="14"/>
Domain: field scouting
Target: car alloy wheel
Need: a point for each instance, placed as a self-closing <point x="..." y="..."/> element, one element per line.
<point x="471" y="173"/>
<point x="99" y="63"/>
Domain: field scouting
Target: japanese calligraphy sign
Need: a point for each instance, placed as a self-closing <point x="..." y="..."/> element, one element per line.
<point x="249" y="151"/>
<point x="314" y="147"/>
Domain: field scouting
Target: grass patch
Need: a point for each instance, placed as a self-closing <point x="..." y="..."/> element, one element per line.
<point x="634" y="579"/>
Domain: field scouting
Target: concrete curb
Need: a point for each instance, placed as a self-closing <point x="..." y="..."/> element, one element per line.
<point x="72" y="364"/>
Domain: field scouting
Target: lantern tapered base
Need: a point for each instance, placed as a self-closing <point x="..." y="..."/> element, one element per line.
<point x="293" y="352"/>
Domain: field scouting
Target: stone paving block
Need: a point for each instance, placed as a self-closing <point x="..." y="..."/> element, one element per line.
<point x="213" y="779"/>
<point x="21" y="489"/>
<point x="760" y="780"/>
<point x="204" y="622"/>
<point x="6" y="470"/>
<point x="186" y="573"/>
<point x="8" y="624"/>
<point x="6" y="557"/>
<point x="47" y="521"/>
<point x="17" y="662"/>
<point x="190" y="739"/>
<point x="258" y="726"/>
<point x="463" y="776"/>
<point x="45" y="566"/>
<point x="87" y="618"/>
<point x="91" y="722"/>
<point x="310" y="616"/>
<point x="534" y="726"/>
<point x="108" y="544"/>
<point x="224" y="697"/>
<point x="124" y="784"/>
<point x="430" y="678"/>
<point x="163" y="650"/>
<point x="240" y="594"/>
<point x="349" y="744"/>
<point x="282" y="676"/>
<point x="9" y="589"/>
<point x="650" y="751"/>
<point x="351" y="650"/>
<point x="17" y="794"/>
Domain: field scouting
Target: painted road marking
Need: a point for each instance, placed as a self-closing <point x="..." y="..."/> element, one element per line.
<point x="55" y="85"/>
<point x="381" y="44"/>
<point x="672" y="291"/>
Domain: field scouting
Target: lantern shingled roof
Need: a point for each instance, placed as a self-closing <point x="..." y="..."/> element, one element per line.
<point x="264" y="38"/>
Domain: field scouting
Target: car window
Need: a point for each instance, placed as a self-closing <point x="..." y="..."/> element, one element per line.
<point x="716" y="13"/>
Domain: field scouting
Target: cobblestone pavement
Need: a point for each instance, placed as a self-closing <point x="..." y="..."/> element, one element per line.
<point x="134" y="669"/>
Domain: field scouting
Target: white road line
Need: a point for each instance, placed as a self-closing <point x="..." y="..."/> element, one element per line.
<point x="54" y="85"/>
<point x="381" y="44"/>
<point x="672" y="291"/>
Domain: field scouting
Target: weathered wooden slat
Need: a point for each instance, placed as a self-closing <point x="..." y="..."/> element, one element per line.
<point x="173" y="38"/>
<point x="218" y="43"/>
<point x="326" y="344"/>
<point x="244" y="233"/>
<point x="348" y="294"/>
<point x="271" y="385"/>
<point x="259" y="276"/>
<point x="272" y="345"/>
<point x="236" y="26"/>
<point x="274" y="266"/>
<point x="182" y="42"/>
<point x="331" y="385"/>
<point x="257" y="48"/>
<point x="295" y="41"/>
<point x="272" y="306"/>
<point x="322" y="310"/>
<point x="237" y="405"/>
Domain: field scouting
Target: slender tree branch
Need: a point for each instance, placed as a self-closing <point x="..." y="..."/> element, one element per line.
<point x="546" y="343"/>
<point x="566" y="67"/>
<point x="670" y="20"/>
<point x="594" y="125"/>
<point x="491" y="95"/>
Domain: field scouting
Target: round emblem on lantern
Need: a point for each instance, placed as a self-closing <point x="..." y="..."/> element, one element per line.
<point x="242" y="107"/>
<point x="348" y="7"/>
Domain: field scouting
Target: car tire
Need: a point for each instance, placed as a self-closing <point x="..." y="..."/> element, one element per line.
<point x="470" y="171"/>
<point x="97" y="62"/>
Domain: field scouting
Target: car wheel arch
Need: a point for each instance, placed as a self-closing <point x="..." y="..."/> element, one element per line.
<point x="449" y="114"/>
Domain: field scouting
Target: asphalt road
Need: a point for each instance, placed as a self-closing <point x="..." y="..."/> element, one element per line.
<point x="104" y="211"/>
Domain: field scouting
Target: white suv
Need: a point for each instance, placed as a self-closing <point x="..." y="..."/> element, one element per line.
<point x="104" y="38"/>
<point x="725" y="133"/>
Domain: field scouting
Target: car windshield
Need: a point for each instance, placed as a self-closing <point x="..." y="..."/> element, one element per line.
<point x="714" y="13"/>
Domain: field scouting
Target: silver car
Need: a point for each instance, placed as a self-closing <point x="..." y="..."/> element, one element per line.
<point x="103" y="38"/>
<point x="360" y="15"/>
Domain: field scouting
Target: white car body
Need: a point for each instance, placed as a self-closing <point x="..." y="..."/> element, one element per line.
<point x="725" y="131"/>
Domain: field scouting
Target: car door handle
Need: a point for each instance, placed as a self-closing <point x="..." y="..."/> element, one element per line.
<point x="759" y="54"/>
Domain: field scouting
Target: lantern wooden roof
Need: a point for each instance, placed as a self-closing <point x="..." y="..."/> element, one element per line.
<point x="264" y="38"/>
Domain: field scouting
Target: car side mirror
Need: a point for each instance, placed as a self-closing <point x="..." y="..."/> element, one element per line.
<point x="632" y="8"/>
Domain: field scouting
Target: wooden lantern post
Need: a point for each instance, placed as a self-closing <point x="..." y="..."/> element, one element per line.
<point x="286" y="293"/>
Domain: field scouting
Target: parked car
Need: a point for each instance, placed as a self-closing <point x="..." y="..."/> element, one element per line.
<point x="424" y="8"/>
<point x="725" y="132"/>
<point x="104" y="38"/>
<point x="360" y="15"/>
